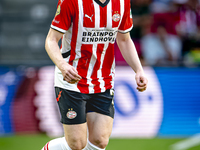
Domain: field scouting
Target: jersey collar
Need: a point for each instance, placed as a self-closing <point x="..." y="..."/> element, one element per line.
<point x="102" y="4"/>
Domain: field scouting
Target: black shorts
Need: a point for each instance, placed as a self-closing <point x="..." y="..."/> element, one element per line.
<point x="74" y="105"/>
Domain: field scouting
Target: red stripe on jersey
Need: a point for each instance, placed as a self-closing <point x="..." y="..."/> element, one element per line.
<point x="82" y="67"/>
<point x="48" y="146"/>
<point x="103" y="16"/>
<point x="127" y="21"/>
<point x="74" y="35"/>
<point x="116" y="13"/>
<point x="88" y="14"/>
<point x="96" y="68"/>
<point x="107" y="65"/>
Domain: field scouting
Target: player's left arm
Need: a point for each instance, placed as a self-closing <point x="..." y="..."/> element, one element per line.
<point x="129" y="53"/>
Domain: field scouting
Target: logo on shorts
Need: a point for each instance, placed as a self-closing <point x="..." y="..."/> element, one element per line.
<point x="71" y="114"/>
<point x="116" y="17"/>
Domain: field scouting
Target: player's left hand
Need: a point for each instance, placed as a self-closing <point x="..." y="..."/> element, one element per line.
<point x="141" y="81"/>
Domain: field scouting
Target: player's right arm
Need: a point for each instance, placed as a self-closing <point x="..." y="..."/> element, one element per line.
<point x="69" y="73"/>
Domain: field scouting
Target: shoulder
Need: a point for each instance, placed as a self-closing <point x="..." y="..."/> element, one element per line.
<point x="68" y="6"/>
<point x="68" y="3"/>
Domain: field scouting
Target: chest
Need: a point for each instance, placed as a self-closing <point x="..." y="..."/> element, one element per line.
<point x="94" y="14"/>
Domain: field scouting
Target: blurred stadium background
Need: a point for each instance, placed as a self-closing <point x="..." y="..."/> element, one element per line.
<point x="165" y="117"/>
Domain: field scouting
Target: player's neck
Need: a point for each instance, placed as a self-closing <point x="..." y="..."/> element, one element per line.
<point x="102" y="1"/>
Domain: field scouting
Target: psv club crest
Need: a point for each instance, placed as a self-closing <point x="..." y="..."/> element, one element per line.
<point x="71" y="114"/>
<point x="116" y="17"/>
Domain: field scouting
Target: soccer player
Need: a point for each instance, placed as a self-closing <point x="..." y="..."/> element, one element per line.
<point x="85" y="68"/>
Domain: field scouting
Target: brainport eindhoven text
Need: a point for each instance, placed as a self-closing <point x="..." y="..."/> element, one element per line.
<point x="99" y="36"/>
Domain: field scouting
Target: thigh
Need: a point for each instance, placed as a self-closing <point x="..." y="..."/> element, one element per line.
<point x="76" y="135"/>
<point x="100" y="114"/>
<point x="73" y="116"/>
<point x="99" y="127"/>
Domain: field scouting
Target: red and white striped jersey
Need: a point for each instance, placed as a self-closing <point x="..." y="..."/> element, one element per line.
<point x="90" y="28"/>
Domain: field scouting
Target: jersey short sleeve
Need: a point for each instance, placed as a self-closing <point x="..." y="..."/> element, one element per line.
<point x="127" y="22"/>
<point x="63" y="17"/>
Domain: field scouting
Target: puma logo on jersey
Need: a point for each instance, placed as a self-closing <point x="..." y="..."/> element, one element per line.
<point x="89" y="17"/>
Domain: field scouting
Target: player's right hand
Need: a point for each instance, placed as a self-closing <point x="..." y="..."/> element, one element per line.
<point x="70" y="74"/>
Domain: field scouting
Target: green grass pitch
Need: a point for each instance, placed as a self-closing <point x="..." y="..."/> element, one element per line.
<point x="36" y="142"/>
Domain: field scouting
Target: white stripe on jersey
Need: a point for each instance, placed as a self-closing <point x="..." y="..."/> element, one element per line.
<point x="125" y="31"/>
<point x="113" y="73"/>
<point x="66" y="41"/>
<point x="79" y="35"/>
<point x="109" y="15"/>
<point x="94" y="49"/>
<point x="97" y="15"/>
<point x="99" y="73"/>
<point x="58" y="29"/>
<point x="90" y="69"/>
